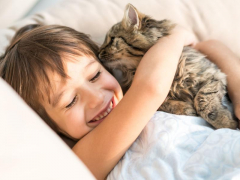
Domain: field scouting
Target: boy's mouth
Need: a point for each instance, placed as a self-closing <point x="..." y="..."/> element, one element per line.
<point x="105" y="112"/>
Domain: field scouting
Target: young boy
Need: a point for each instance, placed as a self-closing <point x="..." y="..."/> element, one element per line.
<point x="56" y="71"/>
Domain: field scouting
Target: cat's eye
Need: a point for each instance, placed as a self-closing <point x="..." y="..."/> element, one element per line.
<point x="112" y="39"/>
<point x="130" y="45"/>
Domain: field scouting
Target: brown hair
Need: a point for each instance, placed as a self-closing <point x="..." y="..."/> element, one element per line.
<point x="36" y="49"/>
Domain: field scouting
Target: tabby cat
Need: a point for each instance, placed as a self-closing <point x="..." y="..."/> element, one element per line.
<point x="198" y="87"/>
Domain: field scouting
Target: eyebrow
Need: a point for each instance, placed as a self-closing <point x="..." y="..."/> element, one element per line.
<point x="57" y="98"/>
<point x="91" y="62"/>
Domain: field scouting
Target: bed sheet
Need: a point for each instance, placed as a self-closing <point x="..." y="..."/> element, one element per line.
<point x="181" y="147"/>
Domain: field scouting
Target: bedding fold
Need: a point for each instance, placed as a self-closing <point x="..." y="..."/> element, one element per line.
<point x="181" y="147"/>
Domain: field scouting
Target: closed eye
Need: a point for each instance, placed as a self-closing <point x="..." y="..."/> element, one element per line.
<point x="130" y="44"/>
<point x="96" y="76"/>
<point x="72" y="103"/>
<point x="112" y="39"/>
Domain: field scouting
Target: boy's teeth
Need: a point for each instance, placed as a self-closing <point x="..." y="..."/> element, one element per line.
<point x="105" y="113"/>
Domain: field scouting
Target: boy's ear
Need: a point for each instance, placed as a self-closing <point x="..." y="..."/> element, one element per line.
<point x="131" y="18"/>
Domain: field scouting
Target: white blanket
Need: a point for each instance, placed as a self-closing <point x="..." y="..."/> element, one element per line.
<point x="183" y="148"/>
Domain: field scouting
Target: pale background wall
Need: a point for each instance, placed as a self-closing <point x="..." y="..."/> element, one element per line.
<point x="13" y="10"/>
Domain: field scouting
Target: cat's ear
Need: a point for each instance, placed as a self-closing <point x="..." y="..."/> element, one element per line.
<point x="131" y="18"/>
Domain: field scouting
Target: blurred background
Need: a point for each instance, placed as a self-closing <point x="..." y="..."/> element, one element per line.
<point x="13" y="10"/>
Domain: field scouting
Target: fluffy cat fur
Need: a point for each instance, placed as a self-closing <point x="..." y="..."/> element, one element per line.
<point x="198" y="87"/>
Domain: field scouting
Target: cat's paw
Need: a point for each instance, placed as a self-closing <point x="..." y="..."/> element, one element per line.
<point x="231" y="124"/>
<point x="222" y="119"/>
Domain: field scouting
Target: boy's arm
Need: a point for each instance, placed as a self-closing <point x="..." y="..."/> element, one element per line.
<point x="229" y="63"/>
<point x="103" y="147"/>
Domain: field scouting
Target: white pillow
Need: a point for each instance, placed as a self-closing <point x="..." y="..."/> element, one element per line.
<point x="218" y="19"/>
<point x="30" y="150"/>
<point x="12" y="10"/>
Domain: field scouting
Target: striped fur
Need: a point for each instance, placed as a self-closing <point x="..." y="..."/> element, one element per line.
<point x="198" y="87"/>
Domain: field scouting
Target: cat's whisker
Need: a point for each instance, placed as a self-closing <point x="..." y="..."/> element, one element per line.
<point x="105" y="56"/>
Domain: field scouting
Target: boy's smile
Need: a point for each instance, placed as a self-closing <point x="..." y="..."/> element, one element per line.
<point x="103" y="113"/>
<point x="83" y="100"/>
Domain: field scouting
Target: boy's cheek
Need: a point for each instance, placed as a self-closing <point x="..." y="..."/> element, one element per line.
<point x="109" y="82"/>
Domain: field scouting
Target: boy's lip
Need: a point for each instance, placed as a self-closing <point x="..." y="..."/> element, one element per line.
<point x="104" y="110"/>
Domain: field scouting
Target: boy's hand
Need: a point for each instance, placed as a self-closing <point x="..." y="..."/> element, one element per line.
<point x="190" y="38"/>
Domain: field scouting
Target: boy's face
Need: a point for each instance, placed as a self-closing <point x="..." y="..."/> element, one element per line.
<point x="81" y="103"/>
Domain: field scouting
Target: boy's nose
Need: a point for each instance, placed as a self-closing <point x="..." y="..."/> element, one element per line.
<point x="94" y="98"/>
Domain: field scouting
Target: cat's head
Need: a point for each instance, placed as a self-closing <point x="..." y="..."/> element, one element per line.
<point x="127" y="41"/>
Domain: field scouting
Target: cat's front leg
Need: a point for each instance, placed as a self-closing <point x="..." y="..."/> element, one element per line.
<point x="208" y="103"/>
<point x="178" y="107"/>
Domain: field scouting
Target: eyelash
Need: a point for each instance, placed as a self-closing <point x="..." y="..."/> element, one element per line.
<point x="72" y="103"/>
<point x="75" y="98"/>
<point x="96" y="76"/>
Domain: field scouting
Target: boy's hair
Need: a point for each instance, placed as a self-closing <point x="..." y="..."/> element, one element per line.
<point x="36" y="49"/>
